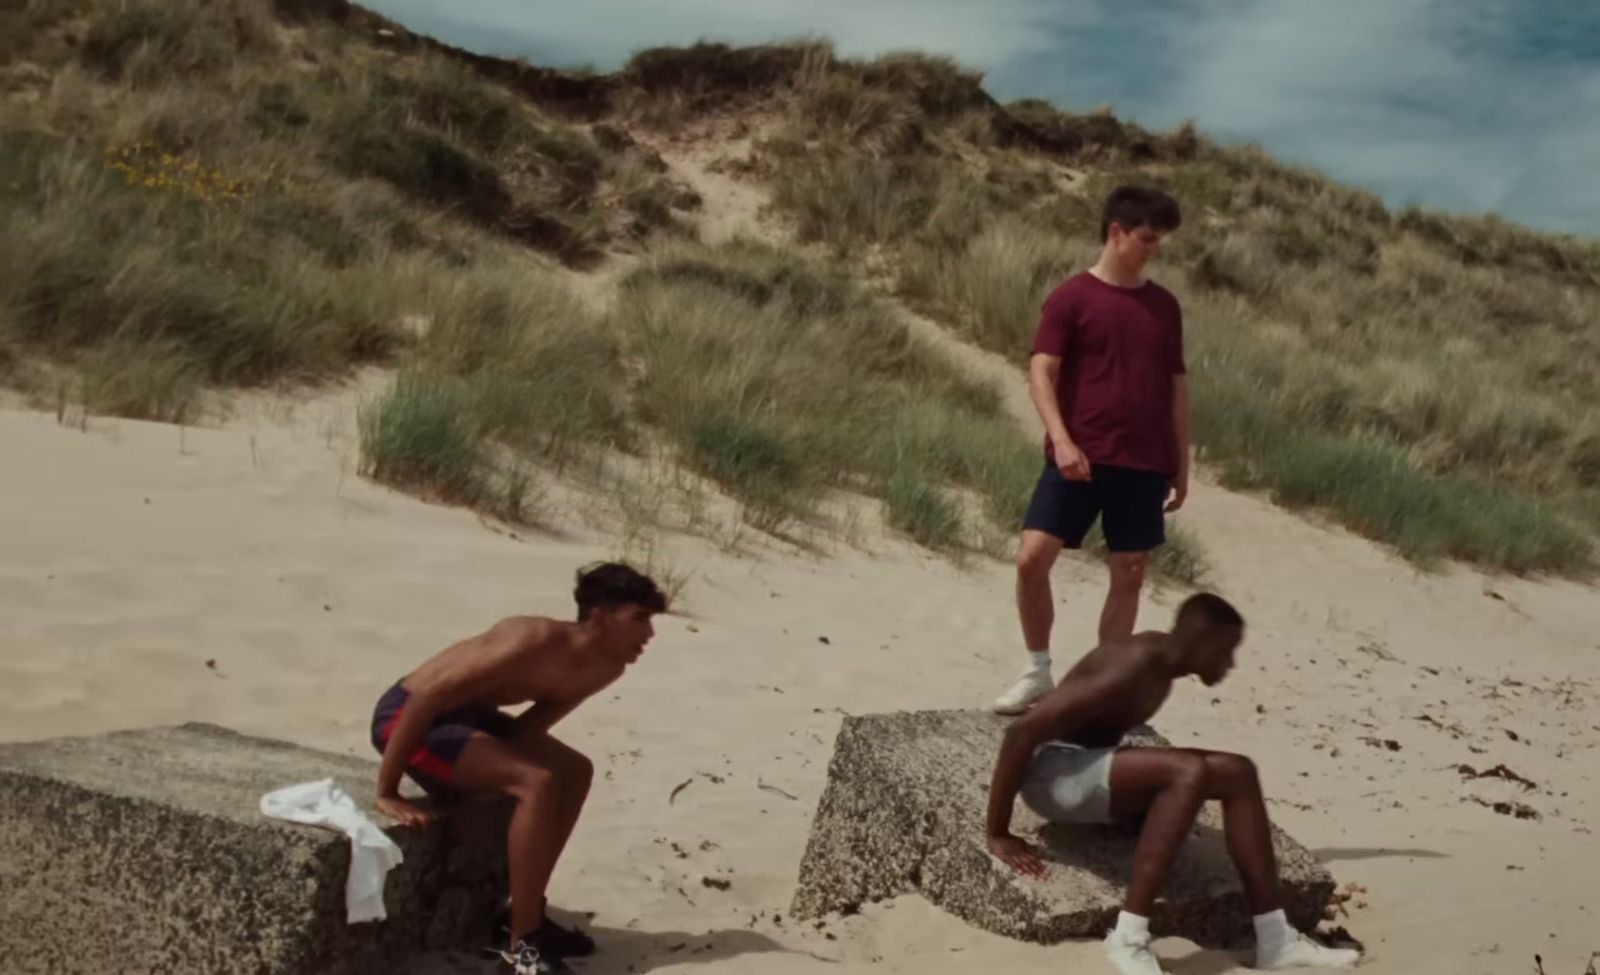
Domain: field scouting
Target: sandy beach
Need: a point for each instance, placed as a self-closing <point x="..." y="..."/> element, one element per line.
<point x="243" y="574"/>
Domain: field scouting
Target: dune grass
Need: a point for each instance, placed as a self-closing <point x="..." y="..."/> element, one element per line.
<point x="782" y="381"/>
<point x="1425" y="379"/>
<point x="776" y="379"/>
<point x="1306" y="436"/>
<point x="419" y="437"/>
<point x="182" y="213"/>
<point x="157" y="280"/>
<point x="145" y="42"/>
<point x="511" y="374"/>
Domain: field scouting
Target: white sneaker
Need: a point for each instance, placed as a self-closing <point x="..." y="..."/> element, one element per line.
<point x="1301" y="952"/>
<point x="1032" y="685"/>
<point x="1131" y="954"/>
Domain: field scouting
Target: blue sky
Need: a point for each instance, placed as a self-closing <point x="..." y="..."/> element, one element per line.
<point x="1464" y="105"/>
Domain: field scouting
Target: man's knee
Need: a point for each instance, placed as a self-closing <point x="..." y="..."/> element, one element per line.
<point x="1128" y="571"/>
<point x="532" y="782"/>
<point x="1034" y="561"/>
<point x="579" y="770"/>
<point x="1189" y="772"/>
<point x="573" y="769"/>
<point x="1230" y="774"/>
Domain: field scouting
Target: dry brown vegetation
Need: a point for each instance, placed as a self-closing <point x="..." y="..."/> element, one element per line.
<point x="202" y="193"/>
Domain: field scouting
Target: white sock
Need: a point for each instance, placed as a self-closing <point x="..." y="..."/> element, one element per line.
<point x="1040" y="659"/>
<point x="1131" y="926"/>
<point x="1272" y="929"/>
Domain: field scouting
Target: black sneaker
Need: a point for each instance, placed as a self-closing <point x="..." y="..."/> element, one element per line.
<point x="555" y="939"/>
<point x="526" y="958"/>
<point x="568" y="943"/>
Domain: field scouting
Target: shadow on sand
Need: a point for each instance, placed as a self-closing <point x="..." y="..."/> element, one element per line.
<point x="1334" y="853"/>
<point x="1203" y="962"/>
<point x="624" y="951"/>
<point x="633" y="951"/>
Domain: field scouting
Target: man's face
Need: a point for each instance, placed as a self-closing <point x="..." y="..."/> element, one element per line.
<point x="626" y="629"/>
<point x="1213" y="653"/>
<point x="1134" y="248"/>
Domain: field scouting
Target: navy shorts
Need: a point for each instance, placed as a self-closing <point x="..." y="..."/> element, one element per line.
<point x="433" y="764"/>
<point x="1130" y="504"/>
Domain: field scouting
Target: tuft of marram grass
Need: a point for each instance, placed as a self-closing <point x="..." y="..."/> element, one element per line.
<point x="781" y="380"/>
<point x="511" y="373"/>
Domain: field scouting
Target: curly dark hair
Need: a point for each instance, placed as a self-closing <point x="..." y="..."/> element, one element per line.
<point x="1209" y="609"/>
<point x="607" y="584"/>
<point x="1132" y="207"/>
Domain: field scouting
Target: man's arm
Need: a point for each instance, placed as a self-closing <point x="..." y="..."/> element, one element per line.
<point x="1179" y="367"/>
<point x="1044" y="371"/>
<point x="544" y="713"/>
<point x="415" y="720"/>
<point x="1180" y="431"/>
<point x="1058" y="714"/>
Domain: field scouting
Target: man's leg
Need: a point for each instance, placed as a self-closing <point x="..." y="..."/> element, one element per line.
<point x="575" y="773"/>
<point x="1036" y="555"/>
<point x="1121" y="610"/>
<point x="543" y="786"/>
<point x="1058" y="516"/>
<point x="1135" y="526"/>
<point x="1168" y="787"/>
<point x="1036" y="610"/>
<point x="1233" y="779"/>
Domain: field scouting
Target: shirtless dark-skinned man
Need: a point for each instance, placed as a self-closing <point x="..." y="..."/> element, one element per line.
<point x="442" y="726"/>
<point x="1063" y="758"/>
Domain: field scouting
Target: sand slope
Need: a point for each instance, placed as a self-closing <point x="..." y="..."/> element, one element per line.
<point x="135" y="553"/>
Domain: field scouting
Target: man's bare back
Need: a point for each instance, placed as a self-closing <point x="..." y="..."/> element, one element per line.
<point x="519" y="660"/>
<point x="1114" y="688"/>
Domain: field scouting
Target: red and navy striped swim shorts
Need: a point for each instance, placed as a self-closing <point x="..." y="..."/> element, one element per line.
<point x="432" y="764"/>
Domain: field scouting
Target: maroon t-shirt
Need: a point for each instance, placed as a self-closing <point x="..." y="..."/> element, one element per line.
<point x="1119" y="349"/>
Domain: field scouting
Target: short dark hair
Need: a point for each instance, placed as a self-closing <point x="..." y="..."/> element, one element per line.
<point x="608" y="584"/>
<point x="1209" y="609"/>
<point x="1132" y="207"/>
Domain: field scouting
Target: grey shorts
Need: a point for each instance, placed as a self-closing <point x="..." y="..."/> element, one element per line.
<point x="1069" y="783"/>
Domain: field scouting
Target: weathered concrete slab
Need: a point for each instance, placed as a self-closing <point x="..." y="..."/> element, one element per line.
<point x="904" y="811"/>
<point x="146" y="851"/>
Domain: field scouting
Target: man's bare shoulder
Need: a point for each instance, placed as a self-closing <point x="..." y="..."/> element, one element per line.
<point x="520" y="637"/>
<point x="525" y="628"/>
<point x="1145" y="648"/>
<point x="1127" y="657"/>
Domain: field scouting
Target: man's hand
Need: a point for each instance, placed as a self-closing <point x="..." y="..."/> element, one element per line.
<point x="406" y="812"/>
<point x="1016" y="854"/>
<point x="1179" y="492"/>
<point x="1071" y="462"/>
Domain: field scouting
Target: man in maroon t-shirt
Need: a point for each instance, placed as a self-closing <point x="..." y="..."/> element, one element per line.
<point x="1108" y="379"/>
